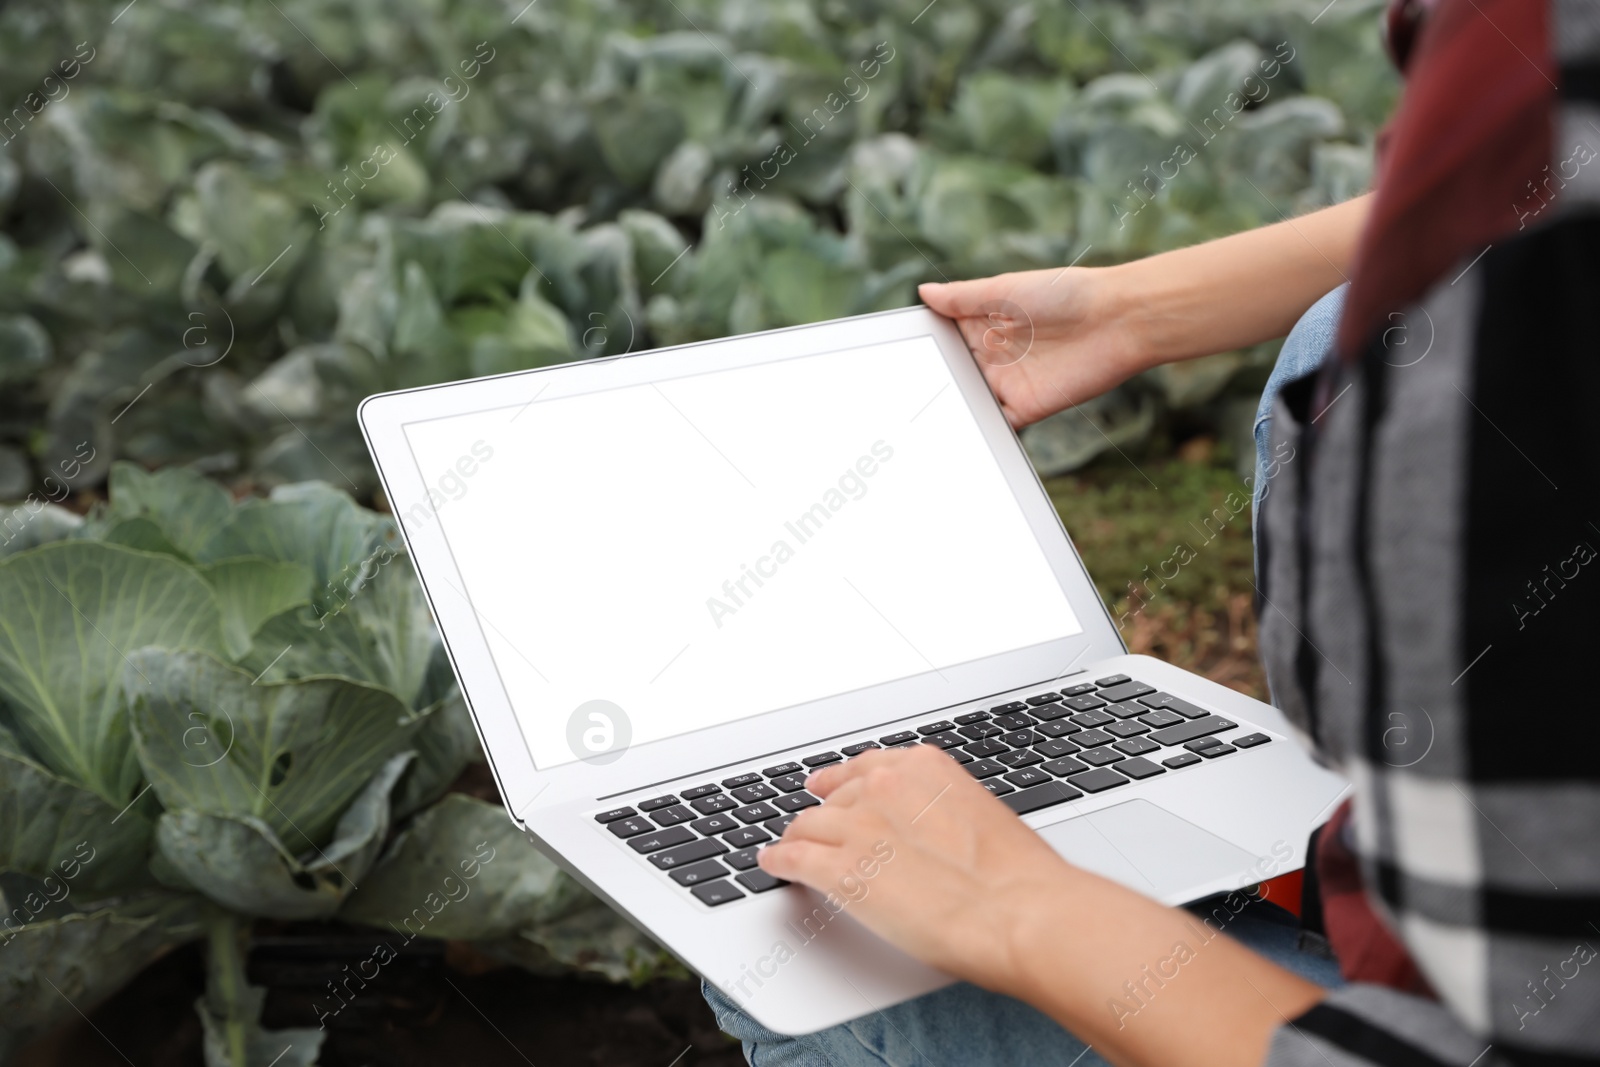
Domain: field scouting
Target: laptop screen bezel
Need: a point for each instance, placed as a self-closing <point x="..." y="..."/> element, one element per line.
<point x="522" y="784"/>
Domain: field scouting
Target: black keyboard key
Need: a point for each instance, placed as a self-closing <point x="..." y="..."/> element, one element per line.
<point x="714" y="803"/>
<point x="1125" y="691"/>
<point x="1098" y="780"/>
<point x="1064" y="766"/>
<point x="971" y="717"/>
<point x="749" y="794"/>
<point x="1137" y="768"/>
<point x="1084" y="703"/>
<point x="936" y="727"/>
<point x="1114" y="679"/>
<point x="1217" y="750"/>
<point x="1059" y="728"/>
<point x="1021" y="738"/>
<point x="1042" y="698"/>
<point x="1203" y="743"/>
<point x="821" y="759"/>
<point x="1055" y="747"/>
<point x="1077" y="690"/>
<point x="1188" y="731"/>
<point x="741" y="860"/>
<point x="1039" y="797"/>
<point x="1182" y="759"/>
<point x="700" y="791"/>
<point x="986" y="748"/>
<point x="1136" y="746"/>
<point x="1157" y="719"/>
<point x="1013" y="720"/>
<point x="629" y="826"/>
<point x="719" y="892"/>
<point x="958" y="755"/>
<point x="860" y="747"/>
<point x="755" y="813"/>
<point x="759" y="881"/>
<point x="777" y="826"/>
<point x="672" y="816"/>
<point x="614" y="814"/>
<point x="693" y="852"/>
<point x="794" y="802"/>
<point x="1092" y="739"/>
<point x="1019" y="757"/>
<point x="790" y="783"/>
<point x="741" y="779"/>
<point x="714" y="824"/>
<point x="946" y="740"/>
<point x="1050" y="712"/>
<point x="696" y="873"/>
<point x="657" y="803"/>
<point x="1088" y="719"/>
<point x="1099" y="757"/>
<point x="781" y="769"/>
<point x="900" y="738"/>
<point x="744" y="837"/>
<point x="1127" y="729"/>
<point x="1015" y="705"/>
<point x="1031" y="776"/>
<point x="979" y="730"/>
<point x="1169" y="702"/>
<point x="1251" y="740"/>
<point x="999" y="786"/>
<point x="1125" y="710"/>
<point x="661" y="839"/>
<point x="984" y="768"/>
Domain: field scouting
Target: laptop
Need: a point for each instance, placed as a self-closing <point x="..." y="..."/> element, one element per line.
<point x="674" y="583"/>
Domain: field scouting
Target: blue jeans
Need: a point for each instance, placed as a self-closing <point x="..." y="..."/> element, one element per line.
<point x="962" y="1025"/>
<point x="1304" y="351"/>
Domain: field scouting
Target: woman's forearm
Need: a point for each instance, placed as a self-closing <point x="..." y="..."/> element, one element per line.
<point x="1238" y="290"/>
<point x="1147" y="984"/>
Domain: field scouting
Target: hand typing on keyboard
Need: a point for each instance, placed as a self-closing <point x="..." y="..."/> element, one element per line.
<point x="958" y="855"/>
<point x="972" y="890"/>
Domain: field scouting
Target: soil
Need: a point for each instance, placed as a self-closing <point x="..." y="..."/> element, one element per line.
<point x="427" y="1010"/>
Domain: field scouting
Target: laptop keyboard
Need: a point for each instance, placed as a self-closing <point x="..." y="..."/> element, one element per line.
<point x="1034" y="753"/>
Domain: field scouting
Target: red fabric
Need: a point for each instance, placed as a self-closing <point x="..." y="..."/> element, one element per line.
<point x="1365" y="948"/>
<point x="1473" y="128"/>
<point x="1285" y="890"/>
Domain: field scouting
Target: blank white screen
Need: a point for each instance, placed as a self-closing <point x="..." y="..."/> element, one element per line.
<point x="645" y="545"/>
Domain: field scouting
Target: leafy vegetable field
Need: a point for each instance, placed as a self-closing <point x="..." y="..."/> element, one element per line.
<point x="223" y="705"/>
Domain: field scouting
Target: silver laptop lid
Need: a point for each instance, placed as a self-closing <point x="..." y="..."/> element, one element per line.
<point x="657" y="563"/>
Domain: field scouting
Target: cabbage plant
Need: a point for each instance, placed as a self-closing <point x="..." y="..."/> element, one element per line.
<point x="212" y="712"/>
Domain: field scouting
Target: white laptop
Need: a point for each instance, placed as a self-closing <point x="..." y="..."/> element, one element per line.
<point x="672" y="583"/>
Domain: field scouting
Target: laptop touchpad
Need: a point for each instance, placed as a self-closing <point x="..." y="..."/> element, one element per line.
<point x="1148" y="849"/>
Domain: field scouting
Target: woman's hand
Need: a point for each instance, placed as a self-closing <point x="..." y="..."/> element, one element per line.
<point x="1045" y="339"/>
<point x="923" y="856"/>
<point x="926" y="858"/>
<point x="1049" y="339"/>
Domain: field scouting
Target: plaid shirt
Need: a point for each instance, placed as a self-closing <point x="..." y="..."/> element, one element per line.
<point x="1431" y="561"/>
